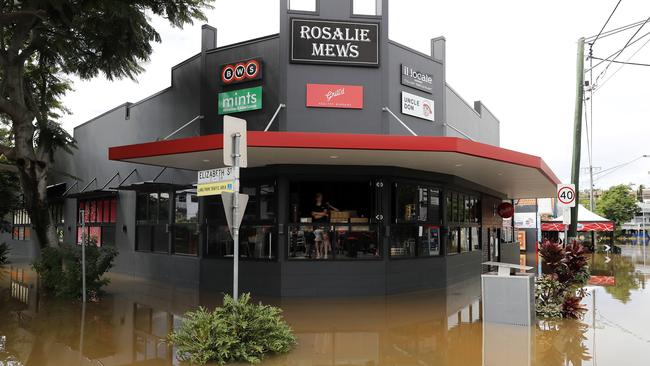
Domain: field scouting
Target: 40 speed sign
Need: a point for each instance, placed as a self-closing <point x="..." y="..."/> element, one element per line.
<point x="566" y="195"/>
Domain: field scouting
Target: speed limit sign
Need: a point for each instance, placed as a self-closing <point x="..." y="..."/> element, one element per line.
<point x="566" y="195"/>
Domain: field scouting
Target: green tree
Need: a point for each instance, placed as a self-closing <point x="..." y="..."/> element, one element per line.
<point x="41" y="42"/>
<point x="618" y="204"/>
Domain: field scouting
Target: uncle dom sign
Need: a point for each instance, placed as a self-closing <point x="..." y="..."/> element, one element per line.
<point x="334" y="42"/>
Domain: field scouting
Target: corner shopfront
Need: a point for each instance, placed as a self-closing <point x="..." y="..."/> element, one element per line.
<point x="411" y="212"/>
<point x="395" y="223"/>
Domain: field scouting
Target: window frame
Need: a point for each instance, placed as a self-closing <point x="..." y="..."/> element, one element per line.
<point x="113" y="202"/>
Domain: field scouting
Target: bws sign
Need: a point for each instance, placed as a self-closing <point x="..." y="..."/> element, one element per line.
<point x="239" y="72"/>
<point x="417" y="79"/>
<point x="417" y="106"/>
<point x="334" y="96"/>
<point x="334" y="42"/>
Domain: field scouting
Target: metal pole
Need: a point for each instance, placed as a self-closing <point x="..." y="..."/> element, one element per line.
<point x="235" y="224"/>
<point x="577" y="135"/>
<point x="591" y="188"/>
<point x="83" y="255"/>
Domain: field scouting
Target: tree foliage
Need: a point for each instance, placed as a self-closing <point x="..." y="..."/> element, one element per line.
<point x="236" y="332"/>
<point x="43" y="41"/>
<point x="618" y="204"/>
<point x="59" y="270"/>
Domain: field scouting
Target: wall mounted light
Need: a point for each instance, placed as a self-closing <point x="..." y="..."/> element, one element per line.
<point x="124" y="228"/>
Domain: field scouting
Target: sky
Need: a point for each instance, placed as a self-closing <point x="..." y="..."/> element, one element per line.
<point x="517" y="57"/>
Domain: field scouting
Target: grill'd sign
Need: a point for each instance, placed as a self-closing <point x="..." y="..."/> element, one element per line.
<point x="417" y="106"/>
<point x="334" y="43"/>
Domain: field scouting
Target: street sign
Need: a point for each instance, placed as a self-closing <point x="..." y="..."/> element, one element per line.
<point x="227" y="198"/>
<point x="566" y="195"/>
<point x="216" y="181"/>
<point x="231" y="127"/>
<point x="213" y="189"/>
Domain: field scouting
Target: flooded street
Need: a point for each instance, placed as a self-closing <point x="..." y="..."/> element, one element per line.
<point x="432" y="328"/>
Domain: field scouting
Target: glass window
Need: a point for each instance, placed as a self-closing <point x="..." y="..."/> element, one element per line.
<point x="403" y="239"/>
<point x="452" y="241"/>
<point x="143" y="238"/>
<point x="434" y="206"/>
<point x="476" y="240"/>
<point x="423" y="203"/>
<point x="449" y="207"/>
<point x="99" y="219"/>
<point x="464" y="240"/>
<point x="186" y="207"/>
<point x="302" y="5"/>
<point x="366" y="7"/>
<point x="186" y="239"/>
<point x="255" y="242"/>
<point x="251" y="209"/>
<point x="267" y="202"/>
<point x="429" y="241"/>
<point x="163" y="207"/>
<point x="141" y="207"/>
<point x="406" y="205"/>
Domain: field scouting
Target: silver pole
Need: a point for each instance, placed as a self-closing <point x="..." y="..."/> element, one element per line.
<point x="235" y="224"/>
<point x="83" y="255"/>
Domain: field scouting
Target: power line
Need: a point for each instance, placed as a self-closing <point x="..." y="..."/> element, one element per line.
<point x="615" y="30"/>
<point x="622" y="62"/>
<point x="614" y="54"/>
<point x="620" y="67"/>
<point x="621" y="51"/>
<point x="606" y="22"/>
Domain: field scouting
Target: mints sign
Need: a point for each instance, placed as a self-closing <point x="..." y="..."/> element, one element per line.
<point x="417" y="79"/>
<point x="334" y="43"/>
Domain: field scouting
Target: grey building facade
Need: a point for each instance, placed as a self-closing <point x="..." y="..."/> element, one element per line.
<point x="402" y="212"/>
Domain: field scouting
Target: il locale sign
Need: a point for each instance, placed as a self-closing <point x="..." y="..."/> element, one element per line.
<point x="417" y="106"/>
<point x="334" y="42"/>
<point x="417" y="79"/>
<point x="242" y="71"/>
<point x="240" y="100"/>
<point x="334" y="96"/>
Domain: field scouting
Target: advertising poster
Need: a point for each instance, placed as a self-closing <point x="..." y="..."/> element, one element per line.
<point x="521" y="238"/>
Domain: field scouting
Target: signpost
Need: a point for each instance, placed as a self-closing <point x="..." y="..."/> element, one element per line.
<point x="234" y="137"/>
<point x="225" y="182"/>
<point x="566" y="199"/>
<point x="83" y="254"/>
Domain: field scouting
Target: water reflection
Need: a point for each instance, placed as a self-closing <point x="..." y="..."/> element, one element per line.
<point x="431" y="328"/>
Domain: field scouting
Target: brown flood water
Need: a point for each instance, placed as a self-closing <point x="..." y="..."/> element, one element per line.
<point x="433" y="328"/>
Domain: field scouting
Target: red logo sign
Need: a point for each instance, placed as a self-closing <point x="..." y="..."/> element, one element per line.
<point x="335" y="96"/>
<point x="240" y="72"/>
<point x="506" y="210"/>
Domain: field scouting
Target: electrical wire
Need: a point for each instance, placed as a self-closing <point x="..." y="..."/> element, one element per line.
<point x="615" y="31"/>
<point x="621" y="51"/>
<point x="622" y="62"/>
<point x="614" y="54"/>
<point x="620" y="67"/>
<point x="606" y="22"/>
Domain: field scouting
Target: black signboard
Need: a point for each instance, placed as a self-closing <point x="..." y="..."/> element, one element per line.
<point x="241" y="71"/>
<point x="334" y="42"/>
<point x="416" y="79"/>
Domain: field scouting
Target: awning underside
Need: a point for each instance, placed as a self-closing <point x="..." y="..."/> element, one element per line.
<point x="527" y="179"/>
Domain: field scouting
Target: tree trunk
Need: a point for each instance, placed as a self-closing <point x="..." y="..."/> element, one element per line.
<point x="31" y="171"/>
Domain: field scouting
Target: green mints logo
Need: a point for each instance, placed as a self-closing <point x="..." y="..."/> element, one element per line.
<point x="241" y="100"/>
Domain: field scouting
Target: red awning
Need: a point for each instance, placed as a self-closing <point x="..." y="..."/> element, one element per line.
<point x="582" y="226"/>
<point x="512" y="173"/>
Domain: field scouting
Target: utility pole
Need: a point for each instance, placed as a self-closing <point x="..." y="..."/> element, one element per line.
<point x="577" y="135"/>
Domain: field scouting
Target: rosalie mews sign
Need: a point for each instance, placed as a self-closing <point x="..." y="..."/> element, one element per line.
<point x="334" y="42"/>
<point x="417" y="79"/>
<point x="240" y="100"/>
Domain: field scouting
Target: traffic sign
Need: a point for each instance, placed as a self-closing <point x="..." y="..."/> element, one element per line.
<point x="566" y="195"/>
<point x="227" y="198"/>
<point x="231" y="127"/>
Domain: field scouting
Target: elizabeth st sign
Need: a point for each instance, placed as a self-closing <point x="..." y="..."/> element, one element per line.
<point x="215" y="181"/>
<point x="334" y="42"/>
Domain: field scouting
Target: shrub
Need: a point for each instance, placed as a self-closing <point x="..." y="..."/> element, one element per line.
<point x="4" y="253"/>
<point x="559" y="293"/>
<point x="236" y="332"/>
<point x="60" y="269"/>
